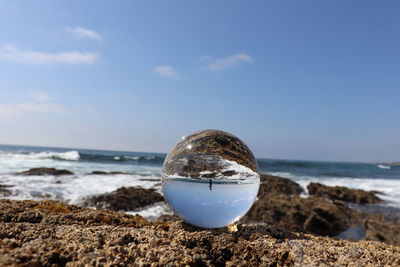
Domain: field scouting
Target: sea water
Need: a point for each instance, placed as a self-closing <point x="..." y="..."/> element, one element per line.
<point x="210" y="205"/>
<point x="144" y="169"/>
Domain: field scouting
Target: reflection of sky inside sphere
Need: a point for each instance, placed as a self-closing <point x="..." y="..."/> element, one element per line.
<point x="210" y="179"/>
<point x="195" y="203"/>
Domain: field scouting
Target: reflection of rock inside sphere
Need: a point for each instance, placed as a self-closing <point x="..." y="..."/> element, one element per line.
<point x="210" y="179"/>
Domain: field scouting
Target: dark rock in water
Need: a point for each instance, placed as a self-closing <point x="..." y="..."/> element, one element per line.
<point x="45" y="171"/>
<point x="107" y="173"/>
<point x="124" y="198"/>
<point x="208" y="150"/>
<point x="41" y="195"/>
<point x="378" y="229"/>
<point x="388" y="212"/>
<point x="278" y="185"/>
<point x="5" y="192"/>
<point x="343" y="193"/>
<point x="313" y="214"/>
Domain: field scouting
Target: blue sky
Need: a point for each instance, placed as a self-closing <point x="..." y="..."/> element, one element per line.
<point x="316" y="80"/>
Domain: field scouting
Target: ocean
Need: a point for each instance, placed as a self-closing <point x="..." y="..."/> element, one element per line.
<point x="145" y="170"/>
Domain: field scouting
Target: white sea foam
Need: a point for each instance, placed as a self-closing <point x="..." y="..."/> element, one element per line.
<point x="132" y="158"/>
<point x="69" y="155"/>
<point x="240" y="170"/>
<point x="385" y="167"/>
<point x="70" y="189"/>
<point x="154" y="211"/>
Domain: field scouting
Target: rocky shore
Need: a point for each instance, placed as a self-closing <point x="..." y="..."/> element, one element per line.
<point x="283" y="228"/>
<point x="50" y="233"/>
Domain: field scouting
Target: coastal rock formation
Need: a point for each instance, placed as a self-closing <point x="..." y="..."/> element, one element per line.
<point x="343" y="193"/>
<point x="379" y="229"/>
<point x="45" y="171"/>
<point x="51" y="233"/>
<point x="278" y="185"/>
<point x="124" y="198"/>
<point x="313" y="214"/>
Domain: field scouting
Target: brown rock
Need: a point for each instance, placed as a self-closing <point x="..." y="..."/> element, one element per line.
<point x="67" y="240"/>
<point x="312" y="215"/>
<point x="125" y="198"/>
<point x="45" y="171"/>
<point x="343" y="193"/>
<point x="278" y="185"/>
<point x="379" y="229"/>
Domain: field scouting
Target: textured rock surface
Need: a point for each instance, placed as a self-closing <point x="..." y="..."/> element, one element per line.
<point x="279" y="185"/>
<point x="51" y="233"/>
<point x="125" y="198"/>
<point x="206" y="150"/>
<point x="45" y="171"/>
<point x="379" y="229"/>
<point x="343" y="193"/>
<point x="313" y="215"/>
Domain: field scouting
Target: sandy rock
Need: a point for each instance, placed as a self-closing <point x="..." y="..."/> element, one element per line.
<point x="45" y="171"/>
<point x="343" y="193"/>
<point x="125" y="198"/>
<point x="56" y="240"/>
<point x="278" y="185"/>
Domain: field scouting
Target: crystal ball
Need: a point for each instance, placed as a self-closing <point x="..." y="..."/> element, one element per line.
<point x="210" y="179"/>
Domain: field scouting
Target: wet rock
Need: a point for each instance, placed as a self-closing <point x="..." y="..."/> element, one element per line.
<point x="4" y="192"/>
<point x="125" y="198"/>
<point x="379" y="229"/>
<point x="343" y="193"/>
<point x="66" y="239"/>
<point x="45" y="171"/>
<point x="279" y="185"/>
<point x="312" y="215"/>
<point x="41" y="195"/>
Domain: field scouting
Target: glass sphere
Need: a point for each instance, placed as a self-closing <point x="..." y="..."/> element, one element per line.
<point x="210" y="179"/>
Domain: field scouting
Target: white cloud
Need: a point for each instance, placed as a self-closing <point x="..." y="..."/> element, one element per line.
<point x="11" y="53"/>
<point x="227" y="62"/>
<point x="40" y="104"/>
<point x="29" y="107"/>
<point x="83" y="33"/>
<point x="166" y="71"/>
<point x="40" y="96"/>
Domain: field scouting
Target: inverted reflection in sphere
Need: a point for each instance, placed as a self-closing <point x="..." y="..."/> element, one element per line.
<point x="210" y="179"/>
